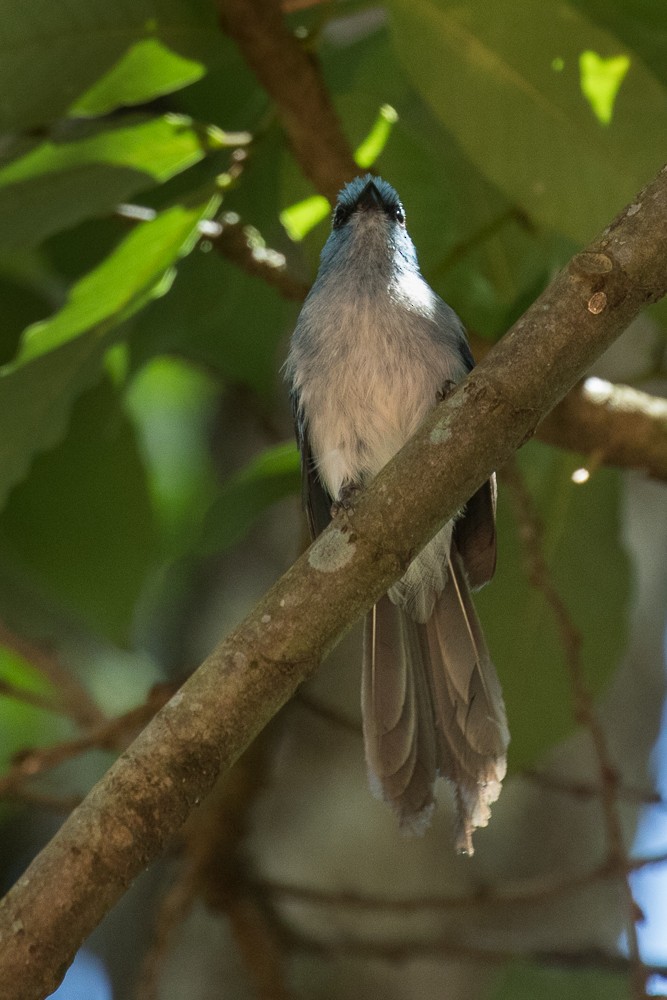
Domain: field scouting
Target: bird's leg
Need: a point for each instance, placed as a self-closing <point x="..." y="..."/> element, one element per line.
<point x="346" y="497"/>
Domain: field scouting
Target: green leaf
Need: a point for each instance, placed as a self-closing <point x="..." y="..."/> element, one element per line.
<point x="589" y="568"/>
<point x="137" y="271"/>
<point x="300" y="218"/>
<point x="94" y="56"/>
<point x="81" y="526"/>
<point x="88" y="171"/>
<point x="61" y="356"/>
<point x="148" y="68"/>
<point x="270" y="477"/>
<point x="524" y="981"/>
<point x="489" y="74"/>
<point x="600" y="82"/>
<point x="367" y="153"/>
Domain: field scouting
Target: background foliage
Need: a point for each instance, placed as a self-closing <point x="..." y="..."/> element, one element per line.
<point x="144" y="429"/>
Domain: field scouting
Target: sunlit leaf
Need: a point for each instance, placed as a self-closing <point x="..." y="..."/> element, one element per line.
<point x="89" y="171"/>
<point x="600" y="82"/>
<point x="299" y="219"/>
<point x="147" y="67"/>
<point x="367" y="153"/>
<point x="53" y="56"/>
<point x="134" y="273"/>
<point x="641" y="25"/>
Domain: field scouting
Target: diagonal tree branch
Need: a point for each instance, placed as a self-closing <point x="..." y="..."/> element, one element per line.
<point x="126" y="820"/>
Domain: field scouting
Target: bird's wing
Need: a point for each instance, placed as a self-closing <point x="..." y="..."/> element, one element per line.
<point x="475" y="535"/>
<point x="316" y="500"/>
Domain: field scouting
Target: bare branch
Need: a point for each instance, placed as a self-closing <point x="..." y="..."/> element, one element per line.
<point x="521" y="892"/>
<point x="127" y="819"/>
<point x="239" y="243"/>
<point x="398" y="951"/>
<point x="584" y="790"/>
<point x="627" y="427"/>
<point x="290" y="75"/>
<point x="613" y="424"/>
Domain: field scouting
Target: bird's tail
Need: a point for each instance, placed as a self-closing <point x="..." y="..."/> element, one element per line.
<point x="432" y="705"/>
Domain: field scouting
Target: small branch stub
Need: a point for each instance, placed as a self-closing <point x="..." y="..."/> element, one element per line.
<point x="597" y="303"/>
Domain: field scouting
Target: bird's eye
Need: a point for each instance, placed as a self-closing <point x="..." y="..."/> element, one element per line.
<point x="399" y="215"/>
<point x="338" y="217"/>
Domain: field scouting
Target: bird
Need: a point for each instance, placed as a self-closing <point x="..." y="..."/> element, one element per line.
<point x="373" y="350"/>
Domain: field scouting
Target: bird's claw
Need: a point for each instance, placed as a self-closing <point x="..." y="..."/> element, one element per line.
<point x="445" y="390"/>
<point x="346" y="498"/>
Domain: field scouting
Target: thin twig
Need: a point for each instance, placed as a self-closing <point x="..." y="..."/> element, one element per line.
<point x="174" y="907"/>
<point x="583" y="790"/>
<point x="260" y="946"/>
<point x="521" y="893"/>
<point x="33" y="698"/>
<point x="530" y="534"/>
<point x="76" y="701"/>
<point x="408" y="950"/>
<point x="242" y="244"/>
<point x="112" y="734"/>
<point x="329" y="715"/>
<point x="213" y="868"/>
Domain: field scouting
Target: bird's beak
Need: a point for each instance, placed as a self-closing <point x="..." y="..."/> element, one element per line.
<point x="369" y="197"/>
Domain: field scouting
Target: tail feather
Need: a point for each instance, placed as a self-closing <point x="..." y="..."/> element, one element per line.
<point x="401" y="751"/>
<point x="432" y="704"/>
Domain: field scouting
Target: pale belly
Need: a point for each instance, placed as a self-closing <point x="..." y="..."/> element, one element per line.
<point x="355" y="433"/>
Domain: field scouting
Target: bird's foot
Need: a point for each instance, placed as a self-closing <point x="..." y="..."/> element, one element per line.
<point x="445" y="390"/>
<point x="346" y="497"/>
